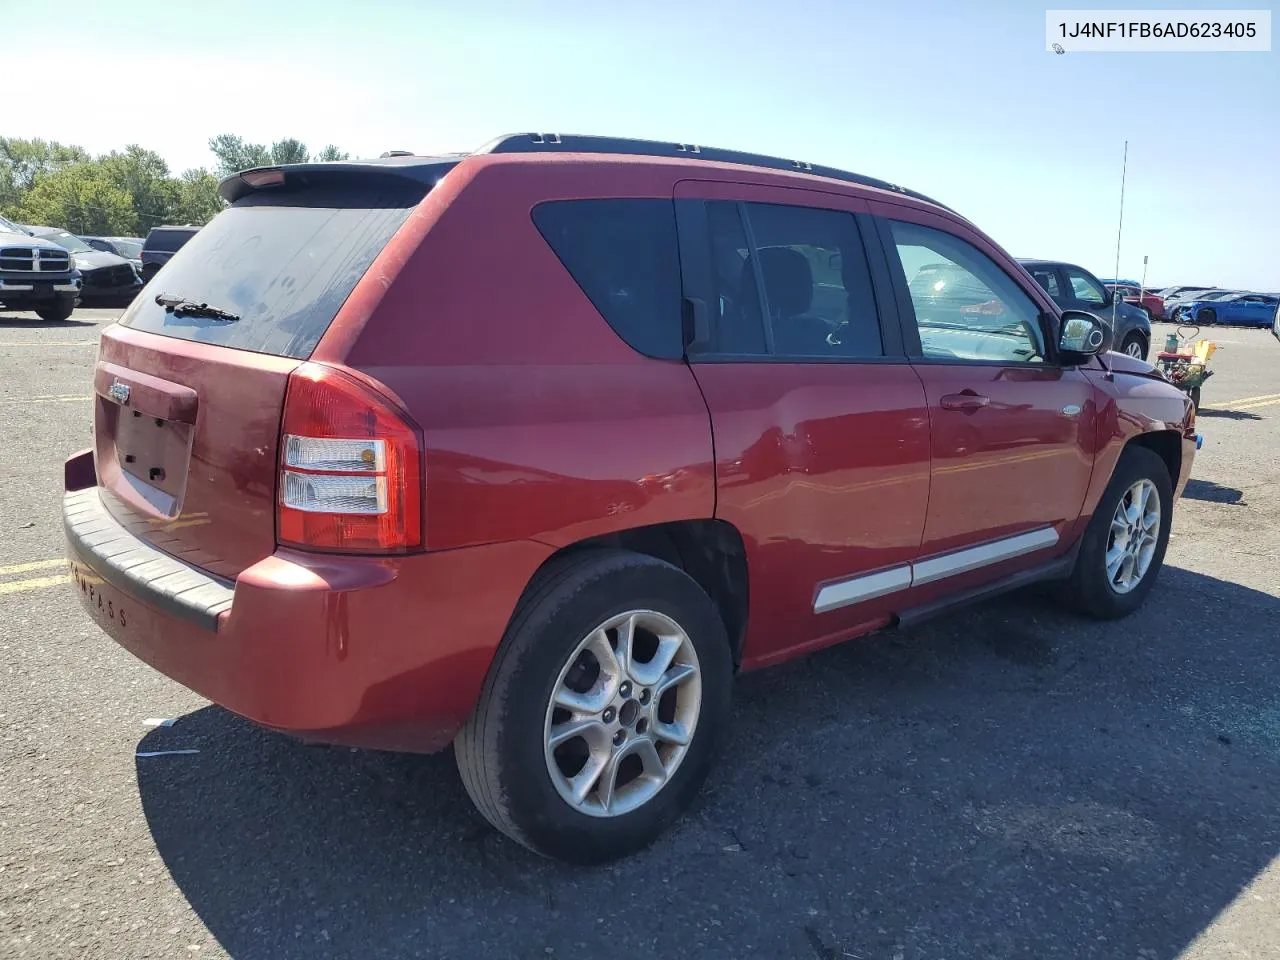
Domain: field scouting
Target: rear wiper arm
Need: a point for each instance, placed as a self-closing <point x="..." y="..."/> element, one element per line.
<point x="189" y="308"/>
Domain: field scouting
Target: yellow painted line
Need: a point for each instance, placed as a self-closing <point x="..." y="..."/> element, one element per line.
<point x="1226" y="404"/>
<point x="35" y="583"/>
<point x="33" y="565"/>
<point x="48" y="343"/>
<point x="1252" y="406"/>
<point x="45" y="399"/>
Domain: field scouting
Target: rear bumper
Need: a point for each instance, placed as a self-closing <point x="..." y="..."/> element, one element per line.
<point x="384" y="653"/>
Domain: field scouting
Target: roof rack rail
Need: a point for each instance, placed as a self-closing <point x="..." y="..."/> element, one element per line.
<point x="577" y="143"/>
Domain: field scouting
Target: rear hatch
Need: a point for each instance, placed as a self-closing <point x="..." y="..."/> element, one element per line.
<point x="188" y="400"/>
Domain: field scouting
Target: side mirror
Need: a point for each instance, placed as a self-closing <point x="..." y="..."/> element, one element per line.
<point x="1083" y="335"/>
<point x="1108" y="297"/>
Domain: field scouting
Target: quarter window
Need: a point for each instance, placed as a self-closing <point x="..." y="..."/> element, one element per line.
<point x="623" y="255"/>
<point x="966" y="307"/>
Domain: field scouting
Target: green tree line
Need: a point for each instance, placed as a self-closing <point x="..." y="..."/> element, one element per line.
<point x="126" y="192"/>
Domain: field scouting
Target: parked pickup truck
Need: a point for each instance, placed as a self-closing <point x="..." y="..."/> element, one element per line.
<point x="36" y="274"/>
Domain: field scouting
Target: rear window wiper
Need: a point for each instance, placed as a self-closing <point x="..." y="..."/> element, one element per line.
<point x="182" y="307"/>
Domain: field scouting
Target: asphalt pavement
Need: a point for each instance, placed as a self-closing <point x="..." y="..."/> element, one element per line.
<point x="1010" y="781"/>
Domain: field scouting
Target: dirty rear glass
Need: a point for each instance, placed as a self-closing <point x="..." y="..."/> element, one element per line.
<point x="283" y="262"/>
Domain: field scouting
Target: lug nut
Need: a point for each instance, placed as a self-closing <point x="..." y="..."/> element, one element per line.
<point x="609" y="714"/>
<point x="619" y="738"/>
<point x="642" y="725"/>
<point x="644" y="695"/>
<point x="625" y="689"/>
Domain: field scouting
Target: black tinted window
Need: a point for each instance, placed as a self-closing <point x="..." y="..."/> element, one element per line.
<point x="817" y="286"/>
<point x="284" y="263"/>
<point x="623" y="255"/>
<point x="739" y="323"/>
<point x="168" y="240"/>
<point x="1048" y="280"/>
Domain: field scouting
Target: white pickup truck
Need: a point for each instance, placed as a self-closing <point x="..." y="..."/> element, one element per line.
<point x="36" y="274"/>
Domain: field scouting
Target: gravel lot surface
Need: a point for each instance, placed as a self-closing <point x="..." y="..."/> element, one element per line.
<point x="1006" y="782"/>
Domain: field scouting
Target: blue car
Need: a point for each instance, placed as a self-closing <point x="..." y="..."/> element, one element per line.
<point x="1245" y="310"/>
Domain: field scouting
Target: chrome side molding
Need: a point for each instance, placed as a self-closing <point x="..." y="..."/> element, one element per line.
<point x="868" y="586"/>
<point x="972" y="558"/>
<point x="865" y="587"/>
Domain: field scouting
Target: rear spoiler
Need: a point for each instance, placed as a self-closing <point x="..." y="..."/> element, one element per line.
<point x="424" y="172"/>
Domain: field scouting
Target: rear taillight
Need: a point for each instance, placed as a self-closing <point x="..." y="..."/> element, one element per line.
<point x="350" y="467"/>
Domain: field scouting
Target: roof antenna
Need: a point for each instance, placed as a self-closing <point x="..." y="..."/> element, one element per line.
<point x="1115" y="301"/>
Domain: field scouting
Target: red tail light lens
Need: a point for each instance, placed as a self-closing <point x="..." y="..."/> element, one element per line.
<point x="350" y="467"/>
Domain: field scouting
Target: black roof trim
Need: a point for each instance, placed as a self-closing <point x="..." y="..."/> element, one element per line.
<point x="428" y="170"/>
<point x="577" y="143"/>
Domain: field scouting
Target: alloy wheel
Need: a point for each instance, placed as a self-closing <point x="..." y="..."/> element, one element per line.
<point x="622" y="713"/>
<point x="1135" y="531"/>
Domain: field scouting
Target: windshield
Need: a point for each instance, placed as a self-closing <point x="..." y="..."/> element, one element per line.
<point x="68" y="242"/>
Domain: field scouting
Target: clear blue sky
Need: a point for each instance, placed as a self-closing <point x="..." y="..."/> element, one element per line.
<point x="962" y="104"/>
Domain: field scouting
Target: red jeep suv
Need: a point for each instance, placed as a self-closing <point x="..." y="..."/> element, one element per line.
<point x="529" y="451"/>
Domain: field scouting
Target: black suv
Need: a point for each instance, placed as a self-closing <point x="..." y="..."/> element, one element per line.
<point x="160" y="246"/>
<point x="1074" y="288"/>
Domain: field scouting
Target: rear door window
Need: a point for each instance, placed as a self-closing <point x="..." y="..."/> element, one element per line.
<point x="622" y="253"/>
<point x="739" y="322"/>
<point x="804" y="270"/>
<point x="283" y="263"/>
<point x="816" y="282"/>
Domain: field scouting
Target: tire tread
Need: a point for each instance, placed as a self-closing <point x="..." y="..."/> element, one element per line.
<point x="475" y="758"/>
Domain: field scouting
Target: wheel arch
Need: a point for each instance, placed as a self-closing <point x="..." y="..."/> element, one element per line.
<point x="1167" y="445"/>
<point x="710" y="551"/>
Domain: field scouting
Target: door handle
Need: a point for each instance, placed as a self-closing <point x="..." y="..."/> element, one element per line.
<point x="964" y="401"/>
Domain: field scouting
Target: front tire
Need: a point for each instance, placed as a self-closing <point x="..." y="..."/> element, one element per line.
<point x="599" y="717"/>
<point x="60" y="311"/>
<point x="1134" y="346"/>
<point x="1124" y="544"/>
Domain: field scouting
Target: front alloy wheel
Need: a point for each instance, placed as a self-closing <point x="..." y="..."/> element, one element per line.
<point x="623" y="713"/>
<point x="1123" y="546"/>
<point x="1135" y="531"/>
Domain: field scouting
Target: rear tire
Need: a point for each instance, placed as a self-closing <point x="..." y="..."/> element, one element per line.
<point x="511" y="767"/>
<point x="1098" y="586"/>
<point x="55" y="314"/>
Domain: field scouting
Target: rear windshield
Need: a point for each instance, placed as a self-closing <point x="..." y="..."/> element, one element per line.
<point x="168" y="240"/>
<point x="283" y="262"/>
<point x="128" y="248"/>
